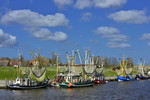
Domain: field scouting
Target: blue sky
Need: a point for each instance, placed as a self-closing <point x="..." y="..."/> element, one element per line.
<point x="110" y="28"/>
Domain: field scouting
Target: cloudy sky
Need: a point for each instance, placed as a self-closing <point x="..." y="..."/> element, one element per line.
<point x="110" y="28"/>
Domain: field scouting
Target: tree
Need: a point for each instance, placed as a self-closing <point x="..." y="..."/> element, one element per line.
<point x="113" y="62"/>
<point x="54" y="59"/>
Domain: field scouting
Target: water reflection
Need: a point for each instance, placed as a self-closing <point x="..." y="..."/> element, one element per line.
<point x="135" y="90"/>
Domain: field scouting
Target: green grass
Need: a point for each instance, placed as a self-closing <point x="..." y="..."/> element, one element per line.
<point x="109" y="73"/>
<point x="51" y="72"/>
<point x="10" y="73"/>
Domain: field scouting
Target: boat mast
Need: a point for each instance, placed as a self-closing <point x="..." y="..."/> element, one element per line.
<point x="39" y="63"/>
<point x="82" y="71"/>
<point x="69" y="63"/>
<point x="19" y="63"/>
<point x="68" y="59"/>
<point x="141" y="65"/>
<point x="102" y="66"/>
<point x="56" y="65"/>
<point x="123" y="65"/>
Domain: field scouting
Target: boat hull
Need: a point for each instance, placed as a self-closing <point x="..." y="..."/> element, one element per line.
<point x="27" y="87"/>
<point x="138" y="77"/>
<point x="100" y="81"/>
<point x="76" y="85"/>
<point x="54" y="84"/>
<point x="121" y="78"/>
<point x="20" y="87"/>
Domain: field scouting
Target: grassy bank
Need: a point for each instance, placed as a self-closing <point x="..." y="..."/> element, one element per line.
<point x="109" y="73"/>
<point x="10" y="73"/>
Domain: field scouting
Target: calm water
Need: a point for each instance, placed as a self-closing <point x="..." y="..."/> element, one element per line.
<point x="134" y="90"/>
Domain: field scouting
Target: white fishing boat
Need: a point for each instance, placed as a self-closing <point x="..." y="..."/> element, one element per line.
<point x="35" y="76"/>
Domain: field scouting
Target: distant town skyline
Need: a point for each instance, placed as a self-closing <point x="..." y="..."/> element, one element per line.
<point x="109" y="28"/>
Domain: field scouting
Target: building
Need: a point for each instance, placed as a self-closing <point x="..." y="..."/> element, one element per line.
<point x="4" y="63"/>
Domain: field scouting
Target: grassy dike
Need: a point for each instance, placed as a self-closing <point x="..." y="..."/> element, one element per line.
<point x="10" y="73"/>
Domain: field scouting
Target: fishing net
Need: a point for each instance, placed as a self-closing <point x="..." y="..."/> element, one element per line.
<point x="128" y="68"/>
<point x="25" y="71"/>
<point x="76" y="70"/>
<point x="99" y="70"/>
<point x="37" y="73"/>
<point x="89" y="69"/>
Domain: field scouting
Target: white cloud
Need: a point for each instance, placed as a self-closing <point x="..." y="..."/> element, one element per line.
<point x="82" y="4"/>
<point x="35" y="23"/>
<point x="146" y="36"/>
<point x="106" y="30"/>
<point x="62" y="3"/>
<point x="29" y="18"/>
<point x="117" y="45"/>
<point x="7" y="40"/>
<point x="117" y="37"/>
<point x="130" y="16"/>
<point x="113" y="36"/>
<point x="86" y="16"/>
<point x="45" y="34"/>
<point x="108" y="3"/>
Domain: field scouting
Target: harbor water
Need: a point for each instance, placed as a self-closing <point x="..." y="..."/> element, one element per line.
<point x="133" y="90"/>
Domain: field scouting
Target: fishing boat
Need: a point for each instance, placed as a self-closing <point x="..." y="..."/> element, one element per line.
<point x="74" y="79"/>
<point x="99" y="75"/>
<point x="125" y="71"/>
<point x="100" y="79"/>
<point x="58" y="77"/>
<point x="31" y="77"/>
<point x="141" y="71"/>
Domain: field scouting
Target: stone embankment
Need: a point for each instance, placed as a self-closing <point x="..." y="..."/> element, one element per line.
<point x="4" y="83"/>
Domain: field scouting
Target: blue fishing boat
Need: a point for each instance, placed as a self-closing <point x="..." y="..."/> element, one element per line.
<point x="125" y="71"/>
<point x="121" y="78"/>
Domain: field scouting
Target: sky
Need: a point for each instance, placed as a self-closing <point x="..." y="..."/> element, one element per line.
<point x="109" y="28"/>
